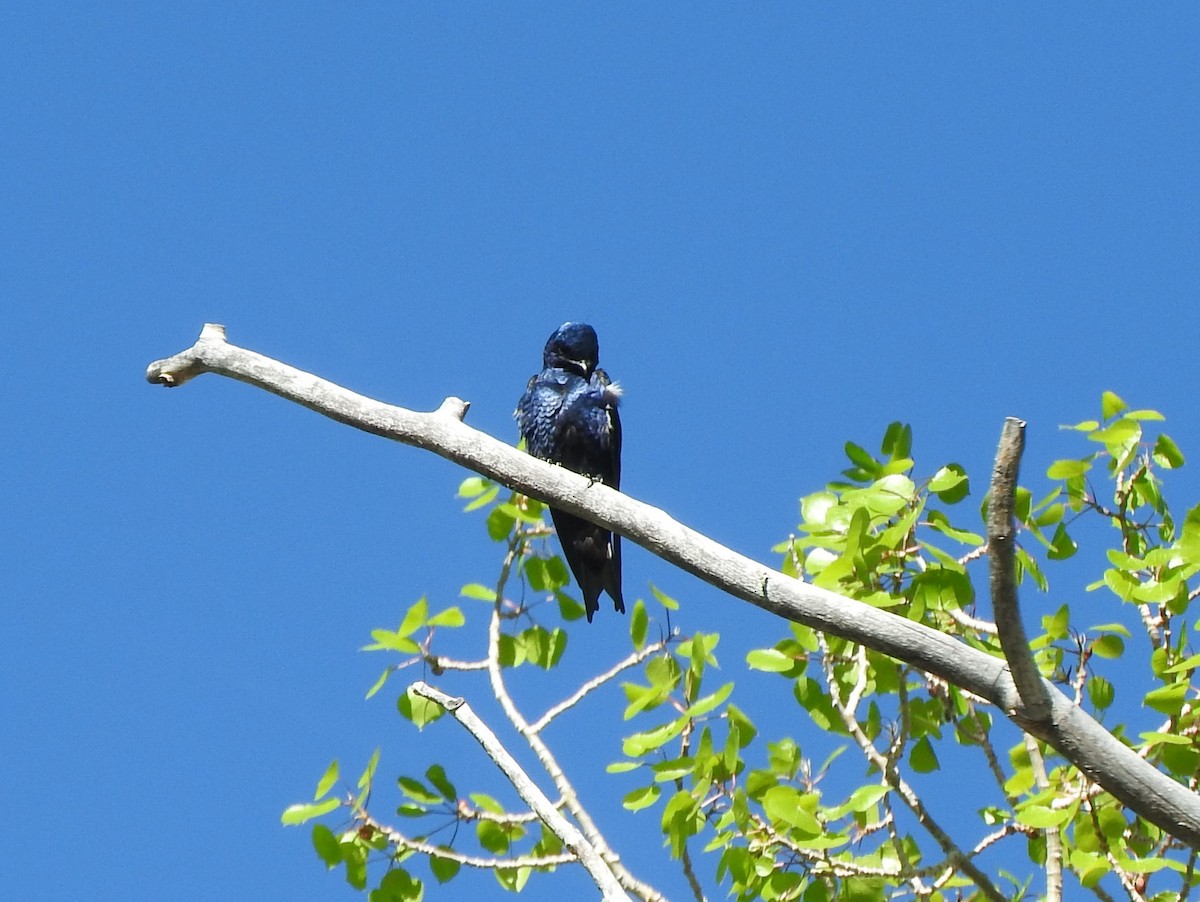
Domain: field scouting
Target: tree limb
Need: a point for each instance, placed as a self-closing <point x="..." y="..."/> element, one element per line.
<point x="1003" y="571"/>
<point x="528" y="790"/>
<point x="1098" y="754"/>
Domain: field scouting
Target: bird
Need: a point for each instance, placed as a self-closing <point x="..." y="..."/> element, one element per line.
<point x="568" y="416"/>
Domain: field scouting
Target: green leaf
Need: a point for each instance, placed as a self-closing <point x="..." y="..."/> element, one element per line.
<point x="940" y="588"/>
<point x="444" y="869"/>
<point x="1121" y="583"/>
<point x="545" y="574"/>
<point x="420" y="710"/>
<point x="623" y="767"/>
<point x="414" y="617"/>
<point x="639" y="743"/>
<point x="1118" y="628"/>
<point x="1066" y="469"/>
<point x="1109" y="646"/>
<point x="298" y="814"/>
<point x="513" y="879"/>
<point x="770" y="660"/>
<point x="865" y="797"/>
<point x="383" y="678"/>
<point x="639" y="623"/>
<point x="1189" y="663"/>
<point x="709" y="702"/>
<point x="897" y="441"/>
<point x="499" y="524"/>
<point x="642" y="797"/>
<point x="1062" y="546"/>
<point x="386" y="640"/>
<point x="482" y="500"/>
<point x="1155" y="738"/>
<point x="1167" y="454"/>
<point x="1100" y="691"/>
<point x="950" y="484"/>
<point x="745" y="728"/>
<point x="492" y="837"/>
<point x="815" y="508"/>
<point x="478" y="592"/>
<point x="1167" y="699"/>
<point x="327" y="845"/>
<point x="368" y="774"/>
<point x="788" y="806"/>
<point x="922" y="757"/>
<point x="861" y="459"/>
<point x="1043" y="817"/>
<point x="675" y="769"/>
<point x="530" y="514"/>
<point x="1144" y="415"/>
<point x="1120" y="439"/>
<point x="544" y="647"/>
<point x="486" y="802"/>
<point x="1111" y="405"/>
<point x="1181" y="761"/>
<point x="327" y="780"/>
<point x="889" y="495"/>
<point x="417" y="791"/>
<point x="451" y="617"/>
<point x="941" y="523"/>
<point x="1050" y="515"/>
<point x="472" y="487"/>
<point x="436" y="775"/>
<point x="1057" y="625"/>
<point x="665" y="600"/>
<point x="680" y="820"/>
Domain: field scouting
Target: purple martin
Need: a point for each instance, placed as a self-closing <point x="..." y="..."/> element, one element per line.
<point x="568" y="416"/>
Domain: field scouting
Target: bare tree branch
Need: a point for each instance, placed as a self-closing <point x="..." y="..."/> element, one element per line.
<point x="528" y="791"/>
<point x="404" y="842"/>
<point x="631" y="660"/>
<point x="1002" y="555"/>
<point x="1101" y="757"/>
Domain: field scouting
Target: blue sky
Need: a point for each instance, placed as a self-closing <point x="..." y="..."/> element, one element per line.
<point x="790" y="226"/>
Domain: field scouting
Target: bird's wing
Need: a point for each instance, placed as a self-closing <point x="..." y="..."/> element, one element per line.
<point x="538" y="411"/>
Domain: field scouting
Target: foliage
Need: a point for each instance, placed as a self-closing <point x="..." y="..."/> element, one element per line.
<point x="739" y="802"/>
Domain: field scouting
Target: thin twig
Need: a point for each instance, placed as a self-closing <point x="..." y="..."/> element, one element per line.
<point x="978" y="624"/>
<point x="595" y="683"/>
<point x="405" y="842"/>
<point x="1054" y="850"/>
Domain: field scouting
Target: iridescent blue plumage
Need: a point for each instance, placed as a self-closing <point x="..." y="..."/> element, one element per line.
<point x="568" y="416"/>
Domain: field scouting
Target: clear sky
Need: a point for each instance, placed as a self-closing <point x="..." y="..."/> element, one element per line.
<point x="789" y="224"/>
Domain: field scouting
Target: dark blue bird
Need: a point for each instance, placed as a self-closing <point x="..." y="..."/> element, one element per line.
<point x="568" y="416"/>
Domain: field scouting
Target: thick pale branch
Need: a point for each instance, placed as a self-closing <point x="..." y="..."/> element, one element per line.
<point x="1002" y="556"/>
<point x="1068" y="729"/>
<point x="528" y="790"/>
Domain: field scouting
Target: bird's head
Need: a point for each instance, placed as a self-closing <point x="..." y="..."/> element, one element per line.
<point x="574" y="347"/>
